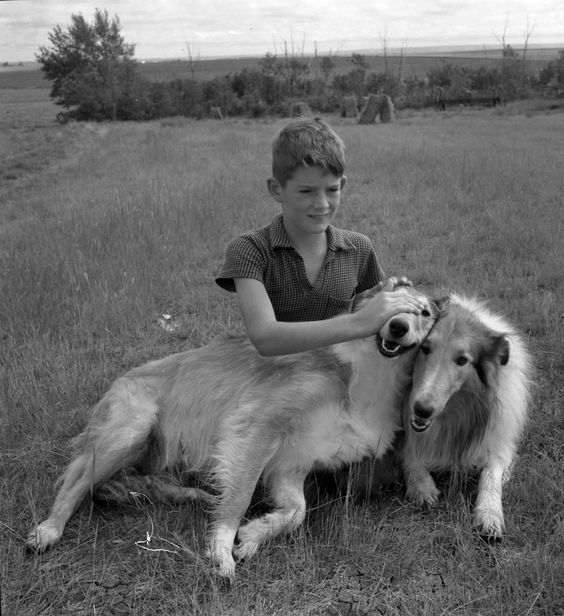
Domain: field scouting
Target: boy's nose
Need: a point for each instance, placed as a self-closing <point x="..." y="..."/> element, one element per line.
<point x="321" y="202"/>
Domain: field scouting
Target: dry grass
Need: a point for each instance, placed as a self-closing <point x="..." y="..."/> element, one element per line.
<point x="129" y="221"/>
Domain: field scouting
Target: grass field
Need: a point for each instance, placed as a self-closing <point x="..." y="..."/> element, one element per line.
<point x="104" y="227"/>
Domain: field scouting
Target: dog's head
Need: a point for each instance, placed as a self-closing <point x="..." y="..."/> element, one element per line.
<point x="460" y="354"/>
<point x="403" y="331"/>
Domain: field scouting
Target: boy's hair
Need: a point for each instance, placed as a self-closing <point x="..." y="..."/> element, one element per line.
<point x="307" y="143"/>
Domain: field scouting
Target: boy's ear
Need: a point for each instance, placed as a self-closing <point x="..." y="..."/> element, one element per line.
<point x="343" y="181"/>
<point x="274" y="188"/>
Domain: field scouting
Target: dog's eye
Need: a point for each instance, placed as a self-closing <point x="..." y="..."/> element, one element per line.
<point x="425" y="313"/>
<point x="461" y="361"/>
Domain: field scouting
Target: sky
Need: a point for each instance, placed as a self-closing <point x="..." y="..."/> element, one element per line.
<point x="216" y="28"/>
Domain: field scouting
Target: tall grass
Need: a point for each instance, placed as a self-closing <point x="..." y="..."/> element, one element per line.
<point x="133" y="223"/>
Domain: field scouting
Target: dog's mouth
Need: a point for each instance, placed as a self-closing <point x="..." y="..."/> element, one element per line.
<point x="420" y="425"/>
<point x="390" y="348"/>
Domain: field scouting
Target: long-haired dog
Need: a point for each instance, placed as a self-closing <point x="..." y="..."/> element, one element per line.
<point x="234" y="417"/>
<point x="467" y="407"/>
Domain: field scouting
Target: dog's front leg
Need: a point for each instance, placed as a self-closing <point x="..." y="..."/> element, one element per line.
<point x="488" y="511"/>
<point x="220" y="548"/>
<point x="287" y="492"/>
<point x="236" y="476"/>
<point x="421" y="487"/>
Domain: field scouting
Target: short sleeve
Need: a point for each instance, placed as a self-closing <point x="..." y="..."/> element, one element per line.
<point x="371" y="272"/>
<point x="243" y="259"/>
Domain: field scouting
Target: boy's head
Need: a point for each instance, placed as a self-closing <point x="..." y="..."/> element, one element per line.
<point x="307" y="143"/>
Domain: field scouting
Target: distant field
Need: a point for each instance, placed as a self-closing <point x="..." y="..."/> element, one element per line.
<point x="24" y="78"/>
<point x="103" y="227"/>
<point x="208" y="69"/>
<point x="25" y="107"/>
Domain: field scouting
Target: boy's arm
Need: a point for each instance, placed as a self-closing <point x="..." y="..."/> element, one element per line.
<point x="272" y="337"/>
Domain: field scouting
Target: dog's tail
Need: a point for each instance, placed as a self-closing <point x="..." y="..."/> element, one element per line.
<point x="129" y="486"/>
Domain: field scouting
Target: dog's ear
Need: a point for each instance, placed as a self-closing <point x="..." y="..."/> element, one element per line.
<point x="494" y="353"/>
<point x="441" y="303"/>
<point x="503" y="351"/>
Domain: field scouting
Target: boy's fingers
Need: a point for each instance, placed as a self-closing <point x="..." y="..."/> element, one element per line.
<point x="390" y="284"/>
<point x="414" y="305"/>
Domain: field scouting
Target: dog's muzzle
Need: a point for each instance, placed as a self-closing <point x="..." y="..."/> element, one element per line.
<point x="421" y="417"/>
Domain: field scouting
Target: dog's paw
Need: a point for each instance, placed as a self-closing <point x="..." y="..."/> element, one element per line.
<point x="247" y="543"/>
<point x="424" y="493"/>
<point x="245" y="549"/>
<point x="42" y="537"/>
<point x="222" y="562"/>
<point x="490" y="524"/>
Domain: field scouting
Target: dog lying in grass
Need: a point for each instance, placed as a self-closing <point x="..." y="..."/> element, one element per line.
<point x="233" y="417"/>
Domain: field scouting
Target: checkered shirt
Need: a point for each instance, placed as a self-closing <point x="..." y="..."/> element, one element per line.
<point x="266" y="254"/>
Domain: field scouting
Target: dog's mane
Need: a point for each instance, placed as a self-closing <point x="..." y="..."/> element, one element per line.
<point x="461" y="428"/>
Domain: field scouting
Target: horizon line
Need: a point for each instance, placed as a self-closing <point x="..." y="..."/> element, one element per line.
<point x="392" y="51"/>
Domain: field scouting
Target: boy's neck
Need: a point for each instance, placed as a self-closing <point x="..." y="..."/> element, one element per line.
<point x="307" y="243"/>
<point x="313" y="249"/>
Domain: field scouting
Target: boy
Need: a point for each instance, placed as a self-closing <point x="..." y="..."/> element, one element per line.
<point x="299" y="271"/>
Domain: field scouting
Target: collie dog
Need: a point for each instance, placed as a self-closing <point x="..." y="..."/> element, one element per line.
<point x="467" y="407"/>
<point x="233" y="417"/>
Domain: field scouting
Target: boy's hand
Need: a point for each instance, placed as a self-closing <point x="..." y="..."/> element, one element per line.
<point x="384" y="305"/>
<point x="393" y="282"/>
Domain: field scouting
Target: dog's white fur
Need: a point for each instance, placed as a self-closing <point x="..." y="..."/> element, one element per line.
<point x="227" y="413"/>
<point x="468" y="406"/>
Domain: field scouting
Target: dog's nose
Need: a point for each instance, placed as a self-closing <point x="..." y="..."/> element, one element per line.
<point x="422" y="412"/>
<point x="398" y="327"/>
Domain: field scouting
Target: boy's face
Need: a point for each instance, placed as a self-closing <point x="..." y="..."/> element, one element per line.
<point x="309" y="199"/>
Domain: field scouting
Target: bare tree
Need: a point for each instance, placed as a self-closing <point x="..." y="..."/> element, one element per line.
<point x="294" y="66"/>
<point x="401" y="61"/>
<point x="528" y="31"/>
<point x="501" y="38"/>
<point x="384" y="39"/>
<point x="192" y="60"/>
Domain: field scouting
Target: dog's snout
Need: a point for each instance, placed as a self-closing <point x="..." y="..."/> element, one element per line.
<point x="421" y="411"/>
<point x="399" y="327"/>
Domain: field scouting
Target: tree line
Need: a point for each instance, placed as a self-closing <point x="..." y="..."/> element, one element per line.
<point x="95" y="77"/>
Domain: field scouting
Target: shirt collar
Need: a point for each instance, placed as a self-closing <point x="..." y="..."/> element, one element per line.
<point x="278" y="236"/>
<point x="336" y="239"/>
